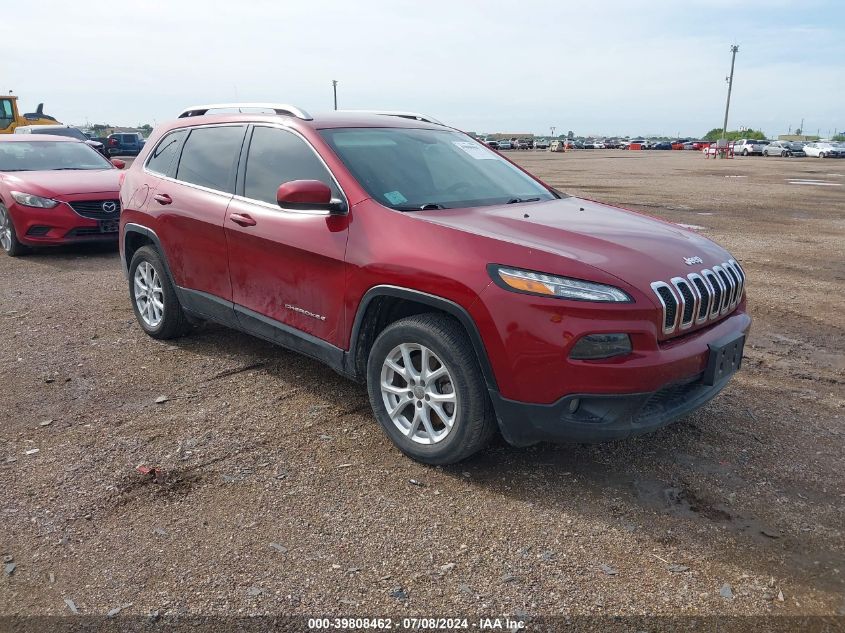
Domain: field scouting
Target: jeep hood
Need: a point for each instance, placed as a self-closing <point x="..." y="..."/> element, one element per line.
<point x="628" y="245"/>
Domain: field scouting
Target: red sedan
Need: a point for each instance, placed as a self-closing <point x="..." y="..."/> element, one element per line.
<point x="55" y="190"/>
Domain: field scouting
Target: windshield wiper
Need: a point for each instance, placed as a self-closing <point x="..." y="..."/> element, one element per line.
<point x="515" y="200"/>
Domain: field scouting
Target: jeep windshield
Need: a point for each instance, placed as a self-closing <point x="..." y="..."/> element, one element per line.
<point x="412" y="169"/>
<point x="49" y="156"/>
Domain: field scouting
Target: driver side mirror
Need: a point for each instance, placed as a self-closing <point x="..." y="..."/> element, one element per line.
<point x="120" y="164"/>
<point x="308" y="195"/>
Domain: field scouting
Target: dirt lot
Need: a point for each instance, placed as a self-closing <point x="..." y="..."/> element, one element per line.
<point x="283" y="496"/>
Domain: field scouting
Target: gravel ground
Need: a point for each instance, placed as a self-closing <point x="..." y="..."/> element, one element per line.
<point x="280" y="494"/>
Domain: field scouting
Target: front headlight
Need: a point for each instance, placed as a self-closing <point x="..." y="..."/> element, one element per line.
<point x="30" y="200"/>
<point x="553" y="286"/>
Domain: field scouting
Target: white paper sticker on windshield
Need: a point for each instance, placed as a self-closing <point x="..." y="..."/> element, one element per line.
<point x="478" y="152"/>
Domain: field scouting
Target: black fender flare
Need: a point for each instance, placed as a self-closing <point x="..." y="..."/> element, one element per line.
<point x="131" y="227"/>
<point x="445" y="305"/>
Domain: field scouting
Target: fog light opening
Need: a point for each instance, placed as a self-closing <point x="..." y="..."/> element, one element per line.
<point x="574" y="404"/>
<point x="596" y="346"/>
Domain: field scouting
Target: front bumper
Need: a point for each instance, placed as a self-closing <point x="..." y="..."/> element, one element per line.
<point x="601" y="417"/>
<point x="59" y="225"/>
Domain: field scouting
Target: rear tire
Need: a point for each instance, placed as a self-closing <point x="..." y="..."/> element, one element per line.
<point x="8" y="237"/>
<point x="441" y="411"/>
<point x="153" y="296"/>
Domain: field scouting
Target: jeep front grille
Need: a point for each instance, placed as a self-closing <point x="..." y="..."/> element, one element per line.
<point x="700" y="297"/>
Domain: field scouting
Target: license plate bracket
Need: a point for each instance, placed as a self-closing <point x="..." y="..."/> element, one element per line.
<point x="725" y="358"/>
<point x="108" y="226"/>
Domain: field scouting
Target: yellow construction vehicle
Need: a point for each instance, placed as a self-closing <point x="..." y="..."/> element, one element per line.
<point x="10" y="117"/>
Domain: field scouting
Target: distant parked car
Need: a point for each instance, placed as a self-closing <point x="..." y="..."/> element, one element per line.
<point x="824" y="149"/>
<point x="541" y="144"/>
<point x="662" y="145"/>
<point x="525" y="143"/>
<point x="505" y="145"/>
<point x="124" y="144"/>
<point x="558" y="146"/>
<point x="783" y="148"/>
<point x="749" y="147"/>
<point x="493" y="144"/>
<point x="61" y="130"/>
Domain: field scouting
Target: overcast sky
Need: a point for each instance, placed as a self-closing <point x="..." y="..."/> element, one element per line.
<point x="591" y="66"/>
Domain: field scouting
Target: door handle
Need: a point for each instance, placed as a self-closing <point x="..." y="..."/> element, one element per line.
<point x="162" y="198"/>
<point x="242" y="218"/>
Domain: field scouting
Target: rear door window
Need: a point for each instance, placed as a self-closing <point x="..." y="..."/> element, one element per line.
<point x="162" y="159"/>
<point x="210" y="156"/>
<point x="277" y="156"/>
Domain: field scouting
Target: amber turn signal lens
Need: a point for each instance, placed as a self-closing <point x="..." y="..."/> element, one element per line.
<point x="527" y="285"/>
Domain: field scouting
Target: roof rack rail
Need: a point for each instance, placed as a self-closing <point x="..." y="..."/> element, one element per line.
<point x="415" y="116"/>
<point x="278" y="108"/>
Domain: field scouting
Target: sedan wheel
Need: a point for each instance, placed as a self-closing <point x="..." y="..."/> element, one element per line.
<point x="5" y="229"/>
<point x="8" y="238"/>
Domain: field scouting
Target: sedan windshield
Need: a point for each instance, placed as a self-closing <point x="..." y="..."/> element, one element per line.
<point x="48" y="156"/>
<point x="410" y="169"/>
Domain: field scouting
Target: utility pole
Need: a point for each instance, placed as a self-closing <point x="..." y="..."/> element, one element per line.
<point x="334" y="87"/>
<point x="552" y="128"/>
<point x="734" y="49"/>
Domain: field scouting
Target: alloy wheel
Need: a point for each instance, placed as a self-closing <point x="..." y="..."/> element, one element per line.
<point x="149" y="295"/>
<point x="418" y="393"/>
<point x="5" y="230"/>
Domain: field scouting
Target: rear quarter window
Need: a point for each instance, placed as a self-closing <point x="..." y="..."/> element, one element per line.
<point x="162" y="159"/>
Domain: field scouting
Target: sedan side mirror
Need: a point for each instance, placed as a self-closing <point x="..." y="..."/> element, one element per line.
<point x="308" y="195"/>
<point x="120" y="164"/>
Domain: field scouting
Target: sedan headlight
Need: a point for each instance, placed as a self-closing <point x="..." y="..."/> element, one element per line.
<point x="535" y="283"/>
<point x="30" y="200"/>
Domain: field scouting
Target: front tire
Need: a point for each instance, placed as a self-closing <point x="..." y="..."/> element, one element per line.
<point x="8" y="237"/>
<point x="153" y="296"/>
<point x="427" y="390"/>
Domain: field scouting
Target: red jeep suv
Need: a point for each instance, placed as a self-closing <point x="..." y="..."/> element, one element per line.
<point x="469" y="295"/>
